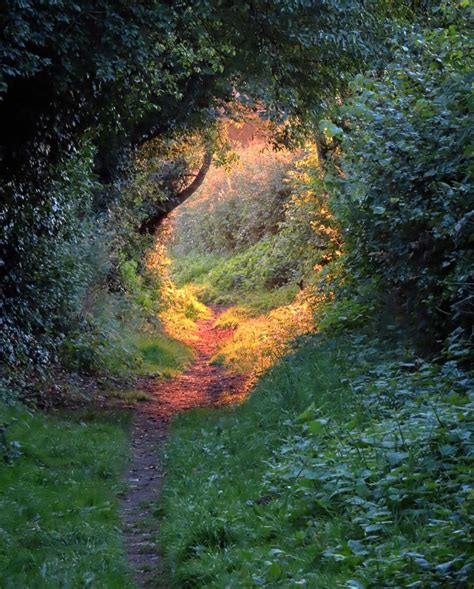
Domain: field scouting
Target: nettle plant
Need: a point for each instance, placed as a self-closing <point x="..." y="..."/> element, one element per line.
<point x="395" y="475"/>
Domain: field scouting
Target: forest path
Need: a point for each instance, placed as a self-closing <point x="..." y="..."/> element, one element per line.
<point x="201" y="385"/>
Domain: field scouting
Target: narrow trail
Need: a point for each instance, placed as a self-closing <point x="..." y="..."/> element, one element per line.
<point x="201" y="385"/>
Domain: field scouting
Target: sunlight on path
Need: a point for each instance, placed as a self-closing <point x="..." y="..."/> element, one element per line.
<point x="201" y="385"/>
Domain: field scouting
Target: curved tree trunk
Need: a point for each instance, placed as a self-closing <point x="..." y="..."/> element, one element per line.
<point x="151" y="224"/>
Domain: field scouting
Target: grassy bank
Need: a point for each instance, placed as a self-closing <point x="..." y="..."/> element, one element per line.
<point x="231" y="280"/>
<point x="347" y="467"/>
<point x="59" y="482"/>
<point x="265" y="319"/>
<point x="162" y="356"/>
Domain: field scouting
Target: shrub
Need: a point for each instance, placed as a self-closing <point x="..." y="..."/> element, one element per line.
<point x="235" y="208"/>
<point x="406" y="201"/>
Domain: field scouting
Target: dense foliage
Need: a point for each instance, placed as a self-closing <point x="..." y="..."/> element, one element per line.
<point x="236" y="207"/>
<point x="84" y="83"/>
<point x="65" y="288"/>
<point x="407" y="201"/>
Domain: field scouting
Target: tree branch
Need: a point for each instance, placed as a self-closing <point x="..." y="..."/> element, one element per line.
<point x="151" y="224"/>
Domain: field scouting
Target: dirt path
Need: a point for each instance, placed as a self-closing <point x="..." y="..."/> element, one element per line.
<point x="201" y="385"/>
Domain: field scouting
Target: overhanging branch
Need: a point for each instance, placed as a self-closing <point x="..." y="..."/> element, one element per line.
<point x="151" y="224"/>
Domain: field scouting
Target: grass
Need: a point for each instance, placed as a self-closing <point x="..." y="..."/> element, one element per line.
<point x="59" y="523"/>
<point x="218" y="528"/>
<point x="194" y="268"/>
<point x="260" y="341"/>
<point x="219" y="278"/>
<point x="163" y="355"/>
<point x="348" y="466"/>
<point x="130" y="395"/>
<point x="263" y="301"/>
<point x="181" y="311"/>
<point x="265" y="320"/>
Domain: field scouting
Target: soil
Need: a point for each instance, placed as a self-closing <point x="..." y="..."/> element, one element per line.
<point x="201" y="385"/>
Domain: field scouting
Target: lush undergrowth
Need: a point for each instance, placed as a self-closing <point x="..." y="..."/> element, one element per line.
<point x="142" y="352"/>
<point x="59" y="525"/>
<point x="349" y="466"/>
<point x="230" y="280"/>
<point x="181" y="311"/>
<point x="247" y="237"/>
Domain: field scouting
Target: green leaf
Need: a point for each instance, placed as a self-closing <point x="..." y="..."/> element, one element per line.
<point x="395" y="458"/>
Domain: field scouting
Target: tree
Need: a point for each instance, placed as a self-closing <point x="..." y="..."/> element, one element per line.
<point x="406" y="199"/>
<point x="151" y="224"/>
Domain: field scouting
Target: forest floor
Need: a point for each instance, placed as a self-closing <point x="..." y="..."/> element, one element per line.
<point x="202" y="384"/>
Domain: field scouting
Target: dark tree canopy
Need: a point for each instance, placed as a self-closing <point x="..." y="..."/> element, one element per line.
<point x="85" y="83"/>
<point x="129" y="70"/>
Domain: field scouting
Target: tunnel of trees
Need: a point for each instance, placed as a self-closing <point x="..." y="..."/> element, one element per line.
<point x="309" y="161"/>
<point x="87" y="86"/>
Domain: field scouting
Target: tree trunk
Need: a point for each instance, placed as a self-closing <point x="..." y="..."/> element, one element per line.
<point x="151" y="224"/>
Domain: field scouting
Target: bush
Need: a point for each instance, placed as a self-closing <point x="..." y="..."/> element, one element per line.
<point x="406" y="201"/>
<point x="343" y="315"/>
<point x="235" y="209"/>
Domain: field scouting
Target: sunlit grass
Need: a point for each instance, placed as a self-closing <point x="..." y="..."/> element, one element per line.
<point x="162" y="355"/>
<point x="263" y="301"/>
<point x="59" y="524"/>
<point x="259" y="342"/>
<point x="233" y="317"/>
<point x="265" y="320"/>
<point x="180" y="307"/>
<point x="181" y="311"/>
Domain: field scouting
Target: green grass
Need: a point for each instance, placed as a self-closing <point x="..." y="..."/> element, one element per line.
<point x="130" y="395"/>
<point x="347" y="467"/>
<point x="163" y="355"/>
<point x="263" y="301"/>
<point x="231" y="279"/>
<point x="256" y="302"/>
<point x="217" y="528"/>
<point x="59" y="524"/>
<point x="194" y="268"/>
